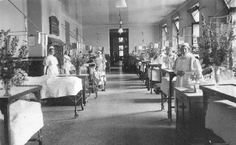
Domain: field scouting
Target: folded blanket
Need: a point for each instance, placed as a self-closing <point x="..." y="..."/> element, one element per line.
<point x="26" y="119"/>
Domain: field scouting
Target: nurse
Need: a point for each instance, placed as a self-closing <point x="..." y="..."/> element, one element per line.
<point x="51" y="63"/>
<point x="67" y="63"/>
<point x="187" y="68"/>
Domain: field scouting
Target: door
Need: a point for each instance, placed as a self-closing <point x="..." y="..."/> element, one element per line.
<point x="119" y="47"/>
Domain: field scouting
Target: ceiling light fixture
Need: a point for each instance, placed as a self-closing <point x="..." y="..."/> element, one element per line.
<point x="121" y="4"/>
<point x="120" y="30"/>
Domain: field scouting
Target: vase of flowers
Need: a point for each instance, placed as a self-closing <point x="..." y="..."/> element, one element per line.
<point x="219" y="41"/>
<point x="78" y="61"/>
<point x="9" y="62"/>
<point x="7" y="87"/>
<point x="19" y="77"/>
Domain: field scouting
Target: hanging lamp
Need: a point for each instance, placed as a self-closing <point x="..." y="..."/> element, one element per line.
<point x="120" y="30"/>
<point x="121" y="4"/>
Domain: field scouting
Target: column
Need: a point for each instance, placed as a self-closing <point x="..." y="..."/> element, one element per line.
<point x="232" y="13"/>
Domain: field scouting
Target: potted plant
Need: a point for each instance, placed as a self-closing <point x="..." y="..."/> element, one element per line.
<point x="220" y="42"/>
<point x="9" y="62"/>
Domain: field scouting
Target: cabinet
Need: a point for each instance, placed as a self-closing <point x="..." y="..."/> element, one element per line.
<point x="189" y="117"/>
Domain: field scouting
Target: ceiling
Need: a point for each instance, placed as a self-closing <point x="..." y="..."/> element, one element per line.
<point x="104" y="12"/>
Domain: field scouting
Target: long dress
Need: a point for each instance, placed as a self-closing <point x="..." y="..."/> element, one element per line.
<point x="67" y="64"/>
<point x="190" y="65"/>
<point x="100" y="74"/>
<point x="51" y="63"/>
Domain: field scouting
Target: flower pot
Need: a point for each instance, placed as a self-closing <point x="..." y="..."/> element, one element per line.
<point x="7" y="87"/>
<point x="217" y="74"/>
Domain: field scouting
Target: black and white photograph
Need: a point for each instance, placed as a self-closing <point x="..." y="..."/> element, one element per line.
<point x="117" y="72"/>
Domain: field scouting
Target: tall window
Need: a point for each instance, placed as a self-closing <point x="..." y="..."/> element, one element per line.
<point x="164" y="35"/>
<point x="175" y="33"/>
<point x="194" y="11"/>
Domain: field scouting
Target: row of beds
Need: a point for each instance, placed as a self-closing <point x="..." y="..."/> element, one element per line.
<point x="156" y="79"/>
<point x="23" y="107"/>
<point x="221" y="112"/>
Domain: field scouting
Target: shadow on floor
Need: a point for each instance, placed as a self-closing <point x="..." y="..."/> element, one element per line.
<point x="141" y="128"/>
<point x="62" y="101"/>
<point x="147" y="100"/>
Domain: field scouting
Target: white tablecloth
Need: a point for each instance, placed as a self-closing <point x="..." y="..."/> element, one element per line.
<point x="26" y="119"/>
<point x="54" y="87"/>
<point x="221" y="119"/>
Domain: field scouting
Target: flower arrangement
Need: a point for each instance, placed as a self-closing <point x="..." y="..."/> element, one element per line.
<point x="7" y="50"/>
<point x="19" y="77"/>
<point x="9" y="62"/>
<point x="78" y="61"/>
<point x="219" y="42"/>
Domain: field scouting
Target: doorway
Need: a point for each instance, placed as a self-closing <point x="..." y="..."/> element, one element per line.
<point x="119" y="47"/>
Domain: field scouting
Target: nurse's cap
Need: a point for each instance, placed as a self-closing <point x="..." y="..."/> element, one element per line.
<point x="186" y="45"/>
<point x="51" y="47"/>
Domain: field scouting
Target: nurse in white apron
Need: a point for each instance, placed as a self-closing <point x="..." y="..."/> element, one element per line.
<point x="67" y="63"/>
<point x="51" y="63"/>
<point x="186" y="66"/>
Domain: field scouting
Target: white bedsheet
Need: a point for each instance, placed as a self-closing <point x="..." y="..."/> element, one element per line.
<point x="54" y="87"/>
<point x="26" y="119"/>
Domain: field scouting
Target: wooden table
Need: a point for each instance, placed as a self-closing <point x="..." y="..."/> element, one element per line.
<point x="170" y="96"/>
<point x="153" y="65"/>
<point x="189" y="119"/>
<point x="17" y="93"/>
<point x="217" y="92"/>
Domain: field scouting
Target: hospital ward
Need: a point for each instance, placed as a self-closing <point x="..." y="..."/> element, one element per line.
<point x="117" y="72"/>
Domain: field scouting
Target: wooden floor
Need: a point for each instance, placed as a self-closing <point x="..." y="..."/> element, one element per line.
<point x="125" y="114"/>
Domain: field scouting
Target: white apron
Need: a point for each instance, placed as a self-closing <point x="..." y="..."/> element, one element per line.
<point x="190" y="65"/>
<point x="51" y="63"/>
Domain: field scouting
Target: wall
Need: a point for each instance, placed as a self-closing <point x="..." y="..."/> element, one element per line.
<point x="12" y="19"/>
<point x="34" y="22"/>
<point x="208" y="8"/>
<point x="98" y="35"/>
<point x="56" y="8"/>
<point x="40" y="11"/>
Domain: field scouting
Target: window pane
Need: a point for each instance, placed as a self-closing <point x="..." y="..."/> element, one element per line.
<point x="121" y="47"/>
<point x="121" y="53"/>
<point x="195" y="15"/>
<point x="177" y="24"/>
<point x="121" y="39"/>
<point x="196" y="30"/>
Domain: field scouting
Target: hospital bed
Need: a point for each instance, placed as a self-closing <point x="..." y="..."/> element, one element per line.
<point x="56" y="87"/>
<point x="20" y="117"/>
